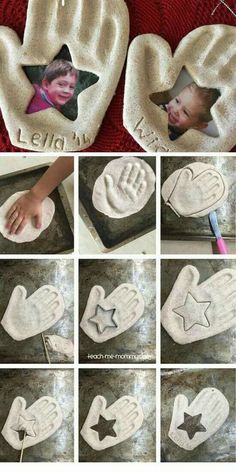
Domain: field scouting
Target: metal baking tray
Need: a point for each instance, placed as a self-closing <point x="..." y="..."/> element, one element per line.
<point x="220" y="447"/>
<point x="32" y="384"/>
<point x="32" y="274"/>
<point x="214" y="350"/>
<point x="137" y="344"/>
<point x="114" y="384"/>
<point x="58" y="237"/>
<point x="177" y="228"/>
<point x="110" y="232"/>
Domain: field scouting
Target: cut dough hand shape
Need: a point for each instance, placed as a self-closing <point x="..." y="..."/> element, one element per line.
<point x="195" y="190"/>
<point x="208" y="54"/>
<point x="106" y="318"/>
<point x="108" y="426"/>
<point x="27" y="317"/>
<point x="38" y="422"/>
<point x="194" y="423"/>
<point x="96" y="34"/>
<point x="124" y="187"/>
<point x="197" y="311"/>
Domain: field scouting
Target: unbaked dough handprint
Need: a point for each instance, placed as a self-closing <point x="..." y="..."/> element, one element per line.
<point x="39" y="421"/>
<point x="126" y="413"/>
<point x="208" y="54"/>
<point x="130" y="187"/>
<point x="196" y="311"/>
<point x="118" y="312"/>
<point x="194" y="195"/>
<point x="26" y="317"/>
<point x="96" y="33"/>
<point x="208" y="410"/>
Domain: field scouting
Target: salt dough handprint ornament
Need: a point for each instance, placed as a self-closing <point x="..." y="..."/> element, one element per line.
<point x="195" y="190"/>
<point x="30" y="232"/>
<point x="38" y="422"/>
<point x="196" y="311"/>
<point x="108" y="426"/>
<point x="208" y="54"/>
<point x="106" y="318"/>
<point x="27" y="317"/>
<point x="192" y="424"/>
<point x="124" y="187"/>
<point x="96" y="34"/>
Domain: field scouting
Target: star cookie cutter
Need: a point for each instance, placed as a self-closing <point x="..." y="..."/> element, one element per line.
<point x="196" y="311"/>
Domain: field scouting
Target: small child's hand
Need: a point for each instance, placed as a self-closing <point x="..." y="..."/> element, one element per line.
<point x="28" y="206"/>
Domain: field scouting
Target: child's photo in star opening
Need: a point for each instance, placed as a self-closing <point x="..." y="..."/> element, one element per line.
<point x="58" y="85"/>
<point x="188" y="107"/>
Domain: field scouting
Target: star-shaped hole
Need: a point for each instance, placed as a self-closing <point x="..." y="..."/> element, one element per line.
<point x="193" y="312"/>
<point x="192" y="425"/>
<point x="104" y="428"/>
<point x="58" y="85"/>
<point x="188" y="106"/>
<point x="25" y="427"/>
<point x="104" y="319"/>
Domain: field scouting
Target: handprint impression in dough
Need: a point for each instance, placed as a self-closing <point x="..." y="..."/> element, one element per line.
<point x="129" y="189"/>
<point x="188" y="107"/>
<point x="58" y="85"/>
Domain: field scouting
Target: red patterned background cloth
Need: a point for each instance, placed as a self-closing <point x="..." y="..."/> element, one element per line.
<point x="171" y="19"/>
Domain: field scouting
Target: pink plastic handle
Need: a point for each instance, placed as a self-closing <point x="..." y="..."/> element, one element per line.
<point x="222" y="248"/>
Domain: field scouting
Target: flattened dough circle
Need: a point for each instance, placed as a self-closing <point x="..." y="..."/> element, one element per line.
<point x="29" y="233"/>
<point x="124" y="187"/>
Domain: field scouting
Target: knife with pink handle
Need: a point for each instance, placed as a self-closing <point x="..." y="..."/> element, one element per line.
<point x="222" y="248"/>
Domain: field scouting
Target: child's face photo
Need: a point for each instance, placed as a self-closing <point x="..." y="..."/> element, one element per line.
<point x="61" y="89"/>
<point x="58" y="85"/>
<point x="184" y="110"/>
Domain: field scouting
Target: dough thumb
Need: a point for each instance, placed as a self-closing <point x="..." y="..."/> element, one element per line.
<point x="18" y="296"/>
<point x="109" y="181"/>
<point x="185" y="177"/>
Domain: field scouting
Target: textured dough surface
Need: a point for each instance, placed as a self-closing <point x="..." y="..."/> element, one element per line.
<point x="27" y="317"/>
<point x="196" y="311"/>
<point x="60" y="344"/>
<point x="29" y="233"/>
<point x="213" y="407"/>
<point x="208" y="54"/>
<point x="126" y="412"/>
<point x="124" y="187"/>
<point x="96" y="33"/>
<point x="195" y="190"/>
<point x="39" y="421"/>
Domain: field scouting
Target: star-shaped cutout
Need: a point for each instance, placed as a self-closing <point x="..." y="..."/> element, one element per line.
<point x="193" y="312"/>
<point x="192" y="425"/>
<point x="104" y="428"/>
<point x="25" y="425"/>
<point x="104" y="319"/>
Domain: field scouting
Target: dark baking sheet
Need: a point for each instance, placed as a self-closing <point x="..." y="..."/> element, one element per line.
<point x="138" y="343"/>
<point x="213" y="350"/>
<point x="58" y="237"/>
<point x="32" y="274"/>
<point x="114" y="384"/>
<point x="180" y="228"/>
<point x="32" y="384"/>
<point x="220" y="447"/>
<point x="112" y="231"/>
